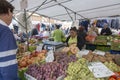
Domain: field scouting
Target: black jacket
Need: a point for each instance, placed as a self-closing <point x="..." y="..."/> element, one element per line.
<point x="107" y="31"/>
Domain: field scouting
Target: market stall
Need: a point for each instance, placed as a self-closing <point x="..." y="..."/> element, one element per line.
<point x="69" y="64"/>
<point x="38" y="58"/>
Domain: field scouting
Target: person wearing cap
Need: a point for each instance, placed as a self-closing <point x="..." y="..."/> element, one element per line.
<point x="106" y="30"/>
<point x="58" y="35"/>
<point x="8" y="47"/>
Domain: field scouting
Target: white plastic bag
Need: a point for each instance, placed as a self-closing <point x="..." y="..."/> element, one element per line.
<point x="50" y="56"/>
<point x="39" y="47"/>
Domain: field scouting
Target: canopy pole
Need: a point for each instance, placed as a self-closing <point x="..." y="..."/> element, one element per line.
<point x="55" y="4"/>
<point x="18" y="22"/>
<point x="11" y="1"/>
<point x="75" y="16"/>
<point x="69" y="14"/>
<point x="69" y="9"/>
<point x="38" y="6"/>
<point x="26" y="28"/>
<point x="36" y="9"/>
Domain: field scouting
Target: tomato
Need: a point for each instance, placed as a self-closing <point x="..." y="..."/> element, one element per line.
<point x="115" y="77"/>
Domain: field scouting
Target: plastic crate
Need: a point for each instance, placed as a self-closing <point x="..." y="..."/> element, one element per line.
<point x="103" y="48"/>
<point x="90" y="47"/>
<point x="101" y="37"/>
<point x="114" y="52"/>
<point x="100" y="42"/>
<point x="115" y="46"/>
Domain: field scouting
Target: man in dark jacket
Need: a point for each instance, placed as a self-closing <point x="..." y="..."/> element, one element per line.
<point x="106" y="30"/>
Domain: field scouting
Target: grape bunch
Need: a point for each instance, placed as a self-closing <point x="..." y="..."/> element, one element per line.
<point x="64" y="59"/>
<point x="52" y="70"/>
<point x="47" y="71"/>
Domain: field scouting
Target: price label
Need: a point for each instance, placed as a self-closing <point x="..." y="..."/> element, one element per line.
<point x="99" y="70"/>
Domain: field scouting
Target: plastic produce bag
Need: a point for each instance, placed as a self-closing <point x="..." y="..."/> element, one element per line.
<point x="39" y="47"/>
<point x="83" y="52"/>
<point x="50" y="56"/>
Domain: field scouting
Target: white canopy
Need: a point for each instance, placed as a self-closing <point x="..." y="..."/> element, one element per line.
<point x="72" y="9"/>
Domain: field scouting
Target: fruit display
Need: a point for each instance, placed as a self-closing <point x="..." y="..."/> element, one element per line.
<point x="101" y="37"/>
<point x="103" y="48"/>
<point x="34" y="57"/>
<point x="115" y="45"/>
<point x="100" y="42"/>
<point x="71" y="49"/>
<point x="112" y="66"/>
<point x="110" y="38"/>
<point x="32" y="48"/>
<point x="64" y="59"/>
<point x="79" y="71"/>
<point x="20" y="55"/>
<point x="21" y="48"/>
<point x="117" y="59"/>
<point x="47" y="71"/>
<point x="52" y="70"/>
<point x="92" y="57"/>
<point x="32" y="41"/>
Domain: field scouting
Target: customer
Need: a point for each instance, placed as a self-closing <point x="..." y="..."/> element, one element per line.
<point x="58" y="34"/>
<point x="8" y="47"/>
<point x="46" y="33"/>
<point x="94" y="28"/>
<point x="91" y="32"/>
<point x="106" y="30"/>
<point x="34" y="31"/>
<point x="15" y="35"/>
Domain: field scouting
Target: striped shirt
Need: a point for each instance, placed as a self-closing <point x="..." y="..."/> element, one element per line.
<point x="8" y="46"/>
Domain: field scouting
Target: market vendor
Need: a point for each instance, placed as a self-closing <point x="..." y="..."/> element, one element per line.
<point x="106" y="30"/>
<point x="8" y="47"/>
<point x="58" y="35"/>
<point x="74" y="38"/>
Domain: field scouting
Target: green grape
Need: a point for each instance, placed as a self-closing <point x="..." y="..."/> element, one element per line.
<point x="79" y="71"/>
<point x="112" y="66"/>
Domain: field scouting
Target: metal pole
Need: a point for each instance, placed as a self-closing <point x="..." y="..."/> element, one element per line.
<point x="11" y="1"/>
<point x="69" y="14"/>
<point x="36" y="9"/>
<point x="75" y="16"/>
<point x="38" y="6"/>
<point x="54" y="4"/>
<point x="18" y="22"/>
<point x="69" y="9"/>
<point x="26" y="28"/>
